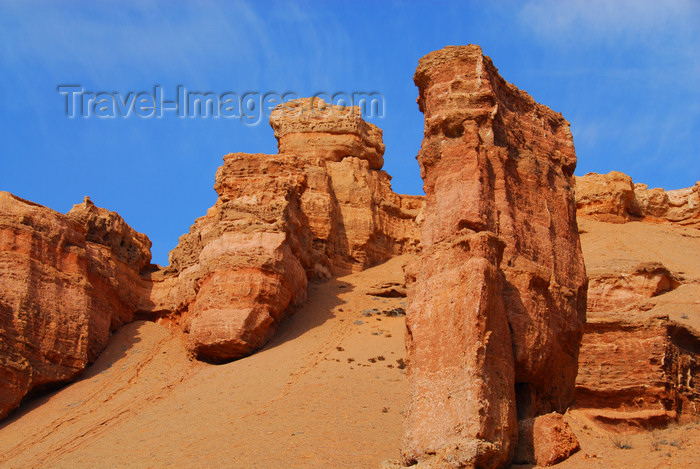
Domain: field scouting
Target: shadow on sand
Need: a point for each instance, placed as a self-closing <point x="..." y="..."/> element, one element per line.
<point x="119" y="344"/>
<point x="322" y="299"/>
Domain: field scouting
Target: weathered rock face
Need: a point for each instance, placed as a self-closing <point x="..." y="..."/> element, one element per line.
<point x="545" y="440"/>
<point x="637" y="368"/>
<point x="613" y="197"/>
<point x="620" y="291"/>
<point x="311" y="128"/>
<point x="319" y="207"/>
<point x="45" y="299"/>
<point x="638" y="372"/>
<point x="355" y="217"/>
<point x="608" y="197"/>
<point x="681" y="206"/>
<point x="374" y="224"/>
<point x="241" y="268"/>
<point x="494" y="161"/>
<point x="117" y="254"/>
<point x="460" y="373"/>
<point x="66" y="281"/>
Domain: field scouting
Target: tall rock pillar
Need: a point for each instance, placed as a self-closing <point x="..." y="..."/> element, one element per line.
<point x="497" y="170"/>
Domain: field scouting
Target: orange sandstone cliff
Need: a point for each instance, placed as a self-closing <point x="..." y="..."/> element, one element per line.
<point x="66" y="282"/>
<point x="639" y="368"/>
<point x="319" y="207"/>
<point x="613" y="197"/>
<point x="498" y="299"/>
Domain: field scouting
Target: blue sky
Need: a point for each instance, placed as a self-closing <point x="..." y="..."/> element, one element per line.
<point x="626" y="74"/>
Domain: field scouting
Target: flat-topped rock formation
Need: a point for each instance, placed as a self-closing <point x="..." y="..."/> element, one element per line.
<point x="66" y="282"/>
<point x="312" y="128"/>
<point x="497" y="170"/>
<point x="354" y="216"/>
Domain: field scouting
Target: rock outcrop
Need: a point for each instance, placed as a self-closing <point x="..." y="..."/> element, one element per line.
<point x="613" y="197"/>
<point x="638" y="373"/>
<point x="117" y="254"/>
<point x="607" y="197"/>
<point x="314" y="129"/>
<point x="497" y="169"/>
<point x="545" y="440"/>
<point x="681" y="206"/>
<point x="320" y="207"/>
<point x="496" y="299"/>
<point x="354" y="216"/>
<point x="619" y="291"/>
<point x="242" y="268"/>
<point x="460" y="372"/>
<point x="66" y="282"/>
<point x="637" y="368"/>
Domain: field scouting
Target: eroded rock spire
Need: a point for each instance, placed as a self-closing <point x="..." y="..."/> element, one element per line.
<point x="497" y="306"/>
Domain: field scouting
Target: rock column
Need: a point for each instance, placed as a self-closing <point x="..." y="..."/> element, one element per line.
<point x="496" y="166"/>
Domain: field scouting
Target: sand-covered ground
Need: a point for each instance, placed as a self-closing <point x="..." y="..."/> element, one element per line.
<point x="610" y="248"/>
<point x="327" y="392"/>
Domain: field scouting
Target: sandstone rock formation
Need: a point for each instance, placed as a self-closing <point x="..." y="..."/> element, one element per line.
<point x="619" y="291"/>
<point x="460" y="373"/>
<point x="637" y="368"/>
<point x="241" y="268"/>
<point x="117" y="254"/>
<point x="613" y="197"/>
<point x="319" y="207"/>
<point x="497" y="298"/>
<point x="608" y="197"/>
<point x="312" y="128"/>
<point x="545" y="440"/>
<point x="388" y="290"/>
<point x="355" y="218"/>
<point x="496" y="166"/>
<point x="638" y="372"/>
<point x="681" y="206"/>
<point x="66" y="282"/>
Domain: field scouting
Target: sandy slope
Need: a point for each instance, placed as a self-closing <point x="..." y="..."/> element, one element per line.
<point x="326" y="393"/>
<point x="610" y="248"/>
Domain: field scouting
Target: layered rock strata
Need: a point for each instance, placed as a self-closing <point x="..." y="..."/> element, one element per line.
<point x="613" y="197"/>
<point x="66" y="282"/>
<point x="638" y="373"/>
<point x="619" y="291"/>
<point x="496" y="165"/>
<point x="241" y="268"/>
<point x="312" y="128"/>
<point x="117" y="255"/>
<point x="355" y="218"/>
<point x="320" y="207"/>
<point x="461" y="373"/>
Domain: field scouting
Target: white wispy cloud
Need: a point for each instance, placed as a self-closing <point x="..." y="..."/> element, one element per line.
<point x="591" y="20"/>
<point x="150" y="38"/>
